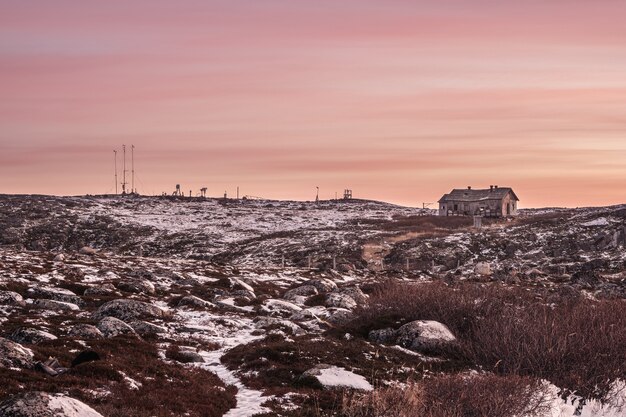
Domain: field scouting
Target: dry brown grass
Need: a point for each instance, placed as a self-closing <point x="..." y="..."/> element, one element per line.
<point x="166" y="389"/>
<point x="452" y="396"/>
<point x="576" y="343"/>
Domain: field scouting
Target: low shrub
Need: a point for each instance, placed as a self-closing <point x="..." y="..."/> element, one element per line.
<point x="453" y="396"/>
<point x="577" y="343"/>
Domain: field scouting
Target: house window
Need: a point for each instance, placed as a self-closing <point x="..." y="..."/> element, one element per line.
<point x="456" y="207"/>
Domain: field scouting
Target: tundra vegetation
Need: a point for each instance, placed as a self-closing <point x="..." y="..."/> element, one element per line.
<point x="166" y="307"/>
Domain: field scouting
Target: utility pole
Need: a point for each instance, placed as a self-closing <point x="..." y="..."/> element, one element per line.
<point x="237" y="192"/>
<point x="132" y="164"/>
<point x="115" y="157"/>
<point x="317" y="196"/>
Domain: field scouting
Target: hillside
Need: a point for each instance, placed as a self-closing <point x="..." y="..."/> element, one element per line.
<point x="242" y="299"/>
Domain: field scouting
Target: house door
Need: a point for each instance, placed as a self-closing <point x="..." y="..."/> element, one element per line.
<point x="508" y="209"/>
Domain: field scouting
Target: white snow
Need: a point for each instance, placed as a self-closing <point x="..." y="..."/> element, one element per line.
<point x="69" y="407"/>
<point x="602" y="221"/>
<point x="615" y="407"/>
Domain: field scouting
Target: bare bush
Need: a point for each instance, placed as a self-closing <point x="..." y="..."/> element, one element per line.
<point x="576" y="343"/>
<point x="453" y="396"/>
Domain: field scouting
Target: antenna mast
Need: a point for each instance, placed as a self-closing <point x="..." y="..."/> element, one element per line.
<point x="115" y="153"/>
<point x="132" y="162"/>
<point x="124" y="171"/>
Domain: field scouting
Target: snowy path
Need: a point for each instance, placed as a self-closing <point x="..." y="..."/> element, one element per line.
<point x="239" y="332"/>
<point x="248" y="401"/>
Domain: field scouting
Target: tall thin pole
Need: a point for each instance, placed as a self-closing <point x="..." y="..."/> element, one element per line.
<point x="124" y="171"/>
<point x="132" y="162"/>
<point x="115" y="153"/>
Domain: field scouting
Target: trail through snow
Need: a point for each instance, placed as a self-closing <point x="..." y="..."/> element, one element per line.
<point x="248" y="400"/>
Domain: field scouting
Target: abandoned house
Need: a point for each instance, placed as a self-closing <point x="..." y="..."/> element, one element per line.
<point x="491" y="202"/>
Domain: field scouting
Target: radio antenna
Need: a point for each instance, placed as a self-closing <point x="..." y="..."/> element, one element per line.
<point x="132" y="164"/>
<point x="115" y="157"/>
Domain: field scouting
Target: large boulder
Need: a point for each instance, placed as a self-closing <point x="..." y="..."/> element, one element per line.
<point x="331" y="377"/>
<point x="41" y="404"/>
<point x="30" y="336"/>
<point x="424" y="335"/>
<point x="14" y="355"/>
<point x="127" y="310"/>
<point x="11" y="298"/>
<point x="111" y="327"/>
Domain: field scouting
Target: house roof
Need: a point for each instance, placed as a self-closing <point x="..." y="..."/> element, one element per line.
<point x="471" y="195"/>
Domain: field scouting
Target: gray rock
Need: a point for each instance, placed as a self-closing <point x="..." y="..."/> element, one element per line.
<point x="483" y="268"/>
<point x="86" y="250"/>
<point x="14" y="355"/>
<point x="56" y="294"/>
<point x="188" y="356"/>
<point x="340" y="301"/>
<point x="127" y="310"/>
<point x="111" y="327"/>
<point x="384" y="336"/>
<point x="424" y="335"/>
<point x="323" y="285"/>
<point x="333" y="377"/>
<point x="59" y="258"/>
<point x="193" y="301"/>
<point x="41" y="404"/>
<point x="144" y="328"/>
<point x="102" y="289"/>
<point x="355" y="293"/>
<point x="85" y="331"/>
<point x="273" y="323"/>
<point x="55" y="305"/>
<point x="11" y="298"/>
<point x="137" y="286"/>
<point x="30" y="336"/>
<point x="302" y="291"/>
<point x="339" y="316"/>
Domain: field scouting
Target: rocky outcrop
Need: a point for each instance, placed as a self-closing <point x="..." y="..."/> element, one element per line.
<point x="41" y="404"/>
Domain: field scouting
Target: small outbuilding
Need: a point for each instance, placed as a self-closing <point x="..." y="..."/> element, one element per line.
<point x="491" y="202"/>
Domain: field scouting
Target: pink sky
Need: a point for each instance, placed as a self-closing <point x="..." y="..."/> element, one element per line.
<point x="398" y="100"/>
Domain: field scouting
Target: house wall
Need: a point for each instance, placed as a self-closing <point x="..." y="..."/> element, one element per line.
<point x="495" y="208"/>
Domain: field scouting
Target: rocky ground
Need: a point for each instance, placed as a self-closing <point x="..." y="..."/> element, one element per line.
<point x="163" y="307"/>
